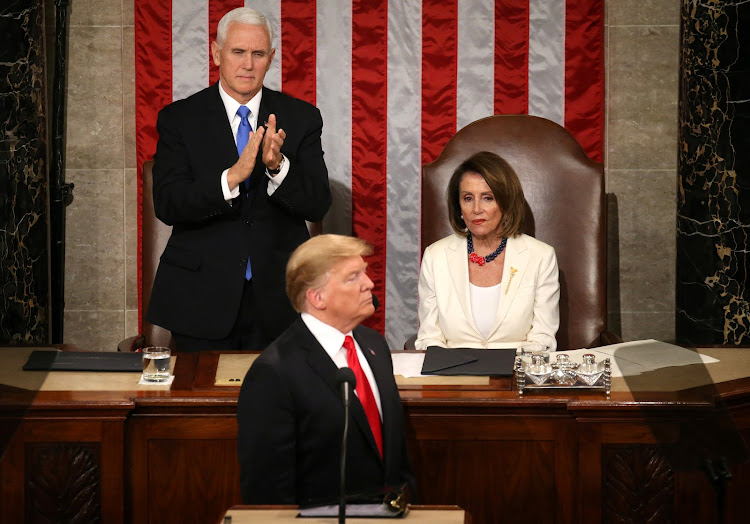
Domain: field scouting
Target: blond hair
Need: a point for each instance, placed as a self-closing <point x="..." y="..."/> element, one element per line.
<point x="310" y="265"/>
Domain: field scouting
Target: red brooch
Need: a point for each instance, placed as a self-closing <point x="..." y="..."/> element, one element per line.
<point x="473" y="257"/>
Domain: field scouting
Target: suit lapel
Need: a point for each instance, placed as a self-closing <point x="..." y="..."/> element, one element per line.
<point x="317" y="358"/>
<point x="214" y="118"/>
<point x="516" y="262"/>
<point x="267" y="106"/>
<point x="458" y="266"/>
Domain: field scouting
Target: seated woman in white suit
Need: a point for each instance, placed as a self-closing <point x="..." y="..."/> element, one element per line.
<point x="488" y="285"/>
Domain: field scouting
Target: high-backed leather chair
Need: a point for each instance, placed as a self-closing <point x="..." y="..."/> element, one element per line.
<point x="154" y="239"/>
<point x="155" y="235"/>
<point x="564" y="191"/>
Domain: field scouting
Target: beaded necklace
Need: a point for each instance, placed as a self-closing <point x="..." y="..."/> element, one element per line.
<point x="480" y="261"/>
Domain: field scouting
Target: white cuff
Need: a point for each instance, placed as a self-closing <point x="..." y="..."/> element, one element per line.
<point x="228" y="195"/>
<point x="275" y="181"/>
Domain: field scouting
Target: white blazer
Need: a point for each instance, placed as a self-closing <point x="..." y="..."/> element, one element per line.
<point x="529" y="300"/>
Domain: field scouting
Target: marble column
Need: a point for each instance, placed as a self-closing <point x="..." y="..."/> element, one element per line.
<point x="713" y="206"/>
<point x="24" y="287"/>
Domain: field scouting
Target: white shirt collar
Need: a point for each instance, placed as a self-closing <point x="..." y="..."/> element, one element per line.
<point x="231" y="105"/>
<point x="329" y="337"/>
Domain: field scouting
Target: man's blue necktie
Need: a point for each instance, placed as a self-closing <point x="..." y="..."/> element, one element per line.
<point x="243" y="135"/>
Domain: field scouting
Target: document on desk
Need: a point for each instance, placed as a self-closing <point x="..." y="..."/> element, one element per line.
<point x="469" y="361"/>
<point x="640" y="356"/>
<point x="454" y="362"/>
<point x="43" y="360"/>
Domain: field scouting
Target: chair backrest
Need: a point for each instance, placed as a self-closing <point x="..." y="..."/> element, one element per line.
<point x="155" y="235"/>
<point x="564" y="191"/>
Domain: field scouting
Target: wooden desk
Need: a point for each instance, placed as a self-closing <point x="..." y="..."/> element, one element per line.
<point x="125" y="454"/>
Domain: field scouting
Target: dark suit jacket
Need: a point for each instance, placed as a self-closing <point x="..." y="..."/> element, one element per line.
<point x="291" y="419"/>
<point x="199" y="282"/>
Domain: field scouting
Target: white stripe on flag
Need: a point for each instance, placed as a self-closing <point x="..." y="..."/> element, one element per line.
<point x="475" y="96"/>
<point x="547" y="59"/>
<point x="189" y="47"/>
<point x="334" y="99"/>
<point x="403" y="169"/>
<point x="272" y="11"/>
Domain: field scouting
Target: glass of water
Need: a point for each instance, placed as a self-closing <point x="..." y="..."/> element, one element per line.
<point x="156" y="364"/>
<point x="529" y="349"/>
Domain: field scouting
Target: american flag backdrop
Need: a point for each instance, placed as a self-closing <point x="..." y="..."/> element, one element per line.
<point x="394" y="80"/>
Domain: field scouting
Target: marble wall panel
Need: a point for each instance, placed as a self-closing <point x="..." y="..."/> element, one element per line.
<point x="642" y="97"/>
<point x="131" y="239"/>
<point x="94" y="267"/>
<point x="94" y="131"/>
<point x="643" y="12"/>
<point x="95" y="12"/>
<point x="713" y="216"/>
<point x="98" y="330"/>
<point x="128" y="96"/>
<point x="131" y="323"/>
<point x="24" y="289"/>
<point x="648" y="324"/>
<point x="128" y="12"/>
<point x="646" y="235"/>
<point x="642" y="78"/>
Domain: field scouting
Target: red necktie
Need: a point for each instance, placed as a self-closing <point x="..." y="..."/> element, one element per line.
<point x="364" y="393"/>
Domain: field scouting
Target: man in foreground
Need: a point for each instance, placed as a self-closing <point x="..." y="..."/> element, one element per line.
<point x="290" y="411"/>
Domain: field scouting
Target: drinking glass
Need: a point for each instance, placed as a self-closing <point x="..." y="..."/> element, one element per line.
<point x="529" y="349"/>
<point x="156" y="364"/>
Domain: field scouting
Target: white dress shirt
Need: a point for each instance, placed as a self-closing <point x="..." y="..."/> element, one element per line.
<point x="231" y="105"/>
<point x="332" y="341"/>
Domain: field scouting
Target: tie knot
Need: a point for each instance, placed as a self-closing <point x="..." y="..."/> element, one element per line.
<point x="349" y="344"/>
<point x="243" y="111"/>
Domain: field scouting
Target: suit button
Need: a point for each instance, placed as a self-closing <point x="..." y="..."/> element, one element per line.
<point x="243" y="262"/>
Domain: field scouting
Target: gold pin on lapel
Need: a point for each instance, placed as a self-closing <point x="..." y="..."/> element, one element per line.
<point x="513" y="272"/>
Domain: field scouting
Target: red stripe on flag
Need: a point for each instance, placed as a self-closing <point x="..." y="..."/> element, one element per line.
<point x="584" y="75"/>
<point x="217" y="9"/>
<point x="512" y="57"/>
<point x="439" y="72"/>
<point x="369" y="138"/>
<point x="153" y="90"/>
<point x="298" y="48"/>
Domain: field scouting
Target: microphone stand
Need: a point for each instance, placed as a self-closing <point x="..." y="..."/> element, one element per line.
<point x="345" y="376"/>
<point x="342" y="476"/>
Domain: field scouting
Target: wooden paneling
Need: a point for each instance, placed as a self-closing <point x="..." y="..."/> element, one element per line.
<point x="64" y="471"/>
<point x="179" y="459"/>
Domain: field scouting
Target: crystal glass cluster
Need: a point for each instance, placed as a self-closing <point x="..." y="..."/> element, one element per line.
<point x="534" y="371"/>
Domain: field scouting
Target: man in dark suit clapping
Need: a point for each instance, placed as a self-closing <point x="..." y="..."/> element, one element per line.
<point x="238" y="170"/>
<point x="290" y="411"/>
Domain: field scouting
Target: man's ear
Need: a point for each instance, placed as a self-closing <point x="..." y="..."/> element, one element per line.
<point x="215" y="53"/>
<point x="316" y="298"/>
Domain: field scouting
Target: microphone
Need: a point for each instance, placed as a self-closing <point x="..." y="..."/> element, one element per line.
<point x="345" y="377"/>
<point x="375" y="301"/>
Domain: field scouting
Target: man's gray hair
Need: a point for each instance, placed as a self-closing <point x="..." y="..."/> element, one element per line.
<point x="242" y="15"/>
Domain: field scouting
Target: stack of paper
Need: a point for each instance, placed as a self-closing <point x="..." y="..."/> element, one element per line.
<point x="633" y="358"/>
